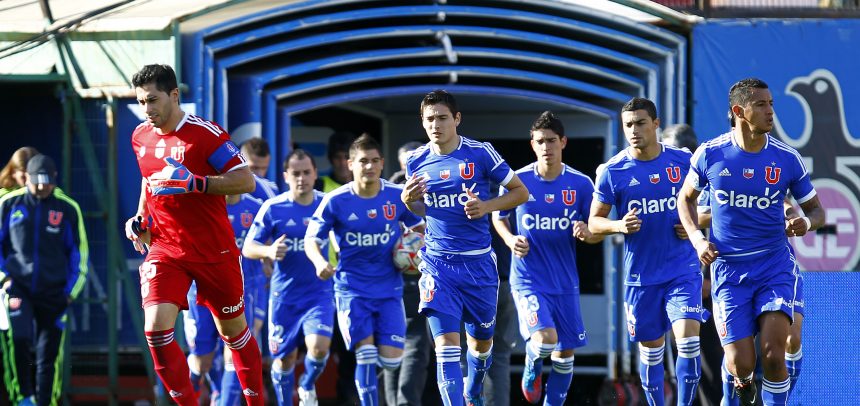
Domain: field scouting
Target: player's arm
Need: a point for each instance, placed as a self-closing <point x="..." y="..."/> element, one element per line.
<point x="136" y="229"/>
<point x="175" y="179"/>
<point x="314" y="253"/>
<point x="255" y="250"/>
<point x="413" y="194"/>
<point x="688" y="201"/>
<point x="582" y="233"/>
<point x="599" y="222"/>
<point x="516" y="194"/>
<point x="813" y="218"/>
<point x="518" y="244"/>
<point x="235" y="182"/>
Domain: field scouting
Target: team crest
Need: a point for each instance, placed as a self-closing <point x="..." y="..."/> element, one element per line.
<point x="306" y="220"/>
<point x="654" y="177"/>
<point x="771" y="174"/>
<point x="568" y="196"/>
<point x="532" y="319"/>
<point x="631" y="329"/>
<point x="722" y="330"/>
<point x="273" y="346"/>
<point x="444" y="174"/>
<point x="467" y="170"/>
<point x="427" y="286"/>
<point x="371" y="213"/>
<point x="247" y="219"/>
<point x="159" y="148"/>
<point x="749" y="172"/>
<point x="55" y="217"/>
<point x="389" y="211"/>
<point x="674" y="174"/>
<point x="178" y="152"/>
<point x="549" y="197"/>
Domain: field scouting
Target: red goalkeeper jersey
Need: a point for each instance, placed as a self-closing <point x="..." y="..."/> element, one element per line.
<point x="192" y="226"/>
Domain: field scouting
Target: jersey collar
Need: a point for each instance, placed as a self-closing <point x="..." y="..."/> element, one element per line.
<point x="181" y="122"/>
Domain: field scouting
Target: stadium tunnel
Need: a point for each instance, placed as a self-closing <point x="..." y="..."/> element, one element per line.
<point x="296" y="72"/>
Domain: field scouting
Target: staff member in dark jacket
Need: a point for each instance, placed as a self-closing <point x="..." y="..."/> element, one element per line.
<point x="43" y="266"/>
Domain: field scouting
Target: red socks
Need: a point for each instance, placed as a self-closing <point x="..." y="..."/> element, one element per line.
<point x="248" y="363"/>
<point x="171" y="366"/>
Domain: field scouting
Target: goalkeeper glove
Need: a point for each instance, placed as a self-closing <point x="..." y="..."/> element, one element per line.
<point x="175" y="179"/>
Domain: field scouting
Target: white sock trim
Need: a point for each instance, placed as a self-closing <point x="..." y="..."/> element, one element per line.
<point x="688" y="347"/>
<point x="651" y="356"/>
<point x="796" y="356"/>
<point x="481" y="355"/>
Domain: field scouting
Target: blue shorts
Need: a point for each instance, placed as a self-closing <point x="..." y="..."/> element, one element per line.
<point x="744" y="290"/>
<point x="289" y="322"/>
<point x="652" y="309"/>
<point x="799" y="305"/>
<point x="201" y="335"/>
<point x="461" y="286"/>
<point x="384" y="319"/>
<point x="538" y="311"/>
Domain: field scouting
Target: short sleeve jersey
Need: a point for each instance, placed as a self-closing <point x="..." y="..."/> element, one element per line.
<point x="746" y="192"/>
<point x="192" y="226"/>
<point x="470" y="167"/>
<point x="294" y="278"/>
<point x="654" y="254"/>
<point x="241" y="216"/>
<point x="546" y="220"/>
<point x="366" y="230"/>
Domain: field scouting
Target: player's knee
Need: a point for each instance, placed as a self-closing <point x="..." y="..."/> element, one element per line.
<point x="390" y="363"/>
<point x="547" y="336"/>
<point x="792" y="344"/>
<point x="740" y="366"/>
<point x="318" y="352"/>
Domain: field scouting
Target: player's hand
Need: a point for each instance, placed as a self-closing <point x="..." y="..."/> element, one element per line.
<point x="176" y="179"/>
<point x="706" y="251"/>
<point x="475" y="208"/>
<point x="325" y="271"/>
<point x="278" y="249"/>
<point x="630" y="223"/>
<point x="796" y="227"/>
<point x="681" y="232"/>
<point x="519" y="245"/>
<point x="580" y="231"/>
<point x="137" y="230"/>
<point x="414" y="189"/>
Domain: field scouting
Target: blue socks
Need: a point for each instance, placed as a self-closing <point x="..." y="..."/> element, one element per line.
<point x="729" y="396"/>
<point x="231" y="388"/>
<point x="793" y="362"/>
<point x="449" y="377"/>
<point x="365" y="374"/>
<point x="282" y="383"/>
<point x="775" y="393"/>
<point x="559" y="381"/>
<point x="313" y="369"/>
<point x="478" y="363"/>
<point x="688" y="369"/>
<point x="651" y="373"/>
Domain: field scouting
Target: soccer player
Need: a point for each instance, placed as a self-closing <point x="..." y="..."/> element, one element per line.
<point x="544" y="279"/>
<point x="747" y="174"/>
<point x="663" y="283"/>
<point x="366" y="217"/>
<point x="447" y="178"/>
<point x="188" y="165"/>
<point x="256" y="151"/>
<point x="301" y="303"/>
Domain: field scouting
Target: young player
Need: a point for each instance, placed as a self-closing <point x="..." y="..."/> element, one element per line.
<point x="447" y="179"/>
<point x="664" y="282"/>
<point x="544" y="278"/>
<point x="366" y="217"/>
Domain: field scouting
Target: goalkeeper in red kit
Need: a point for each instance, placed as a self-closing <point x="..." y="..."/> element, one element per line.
<point x="188" y="164"/>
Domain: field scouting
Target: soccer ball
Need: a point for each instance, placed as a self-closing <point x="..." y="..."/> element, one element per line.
<point x="406" y="257"/>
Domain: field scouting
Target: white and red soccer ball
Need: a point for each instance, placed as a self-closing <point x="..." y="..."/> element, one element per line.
<point x="406" y="252"/>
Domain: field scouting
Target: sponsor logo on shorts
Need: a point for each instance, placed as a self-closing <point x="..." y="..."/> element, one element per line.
<point x="398" y="339"/>
<point x="582" y="336"/>
<point x="235" y="308"/>
<point x="489" y="324"/>
<point x="692" y="309"/>
<point x="175" y="394"/>
<point x="323" y="327"/>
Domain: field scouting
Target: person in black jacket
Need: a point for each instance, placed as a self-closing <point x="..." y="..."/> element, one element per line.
<point x="43" y="267"/>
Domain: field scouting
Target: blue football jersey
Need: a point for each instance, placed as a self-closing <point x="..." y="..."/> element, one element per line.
<point x="654" y="254"/>
<point x="472" y="166"/>
<point x="746" y="193"/>
<point x="294" y="278"/>
<point x="546" y="220"/>
<point x="241" y="217"/>
<point x="265" y="189"/>
<point x="365" y="230"/>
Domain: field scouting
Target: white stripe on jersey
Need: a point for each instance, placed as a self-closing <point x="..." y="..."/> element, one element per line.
<point x="497" y="159"/>
<point x="785" y="147"/>
<point x="192" y="119"/>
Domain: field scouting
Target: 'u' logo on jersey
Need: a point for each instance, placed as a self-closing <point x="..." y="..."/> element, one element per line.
<point x="467" y="170"/>
<point x="674" y="174"/>
<point x="389" y="211"/>
<point x="568" y="196"/>
<point x="55" y="217"/>
<point x="771" y="174"/>
<point x="247" y="219"/>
